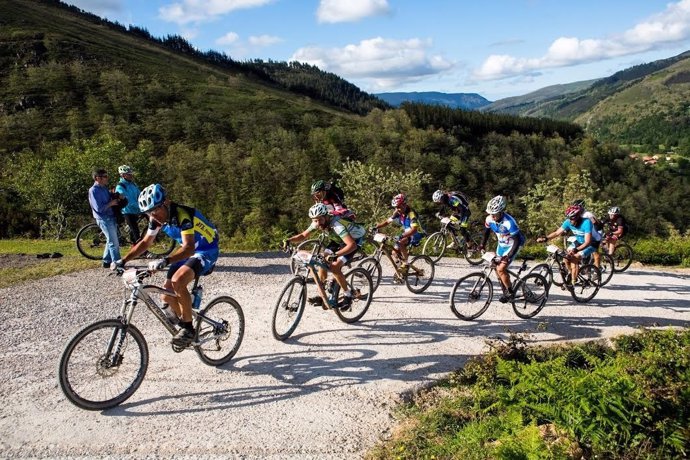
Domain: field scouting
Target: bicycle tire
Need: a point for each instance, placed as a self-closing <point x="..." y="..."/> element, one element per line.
<point x="622" y="257"/>
<point x="421" y="268"/>
<point x="99" y="378"/>
<point x="544" y="270"/>
<point x="606" y="266"/>
<point x="162" y="246"/>
<point x="373" y="266"/>
<point x="557" y="277"/>
<point x="292" y="307"/>
<point x="466" y="296"/>
<point x="435" y="246"/>
<point x="474" y="256"/>
<point x="219" y="342"/>
<point x="90" y="241"/>
<point x="588" y="283"/>
<point x="360" y="282"/>
<point x="530" y="295"/>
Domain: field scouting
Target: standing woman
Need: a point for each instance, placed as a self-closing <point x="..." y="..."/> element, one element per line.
<point x="129" y="190"/>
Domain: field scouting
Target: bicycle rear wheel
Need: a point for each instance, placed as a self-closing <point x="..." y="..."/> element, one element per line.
<point x="363" y="290"/>
<point x="91" y="241"/>
<point x="435" y="246"/>
<point x="219" y="331"/>
<point x="161" y="246"/>
<point x="420" y="274"/>
<point x="587" y="284"/>
<point x="530" y="295"/>
<point x="606" y="266"/>
<point x="373" y="266"/>
<point x="473" y="255"/>
<point x="289" y="308"/>
<point x="103" y="365"/>
<point x="622" y="257"/>
<point x="544" y="270"/>
<point x="471" y="296"/>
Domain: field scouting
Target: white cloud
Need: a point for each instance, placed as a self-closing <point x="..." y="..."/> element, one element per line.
<point x="264" y="40"/>
<point x="383" y="62"/>
<point x="204" y="10"/>
<point x="227" y="39"/>
<point x="350" y="10"/>
<point x="670" y="26"/>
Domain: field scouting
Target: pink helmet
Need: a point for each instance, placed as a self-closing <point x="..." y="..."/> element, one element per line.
<point x="574" y="210"/>
<point x="398" y="200"/>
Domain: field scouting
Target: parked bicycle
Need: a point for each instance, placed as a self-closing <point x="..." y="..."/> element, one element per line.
<point x="555" y="271"/>
<point x="447" y="240"/>
<point x="91" y="240"/>
<point x="105" y="362"/>
<point x="417" y="275"/>
<point x="293" y="298"/>
<point x="472" y="294"/>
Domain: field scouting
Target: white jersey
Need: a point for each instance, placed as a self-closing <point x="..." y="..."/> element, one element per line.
<point x="592" y="218"/>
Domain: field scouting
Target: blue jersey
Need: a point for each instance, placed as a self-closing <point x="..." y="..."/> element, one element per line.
<point x="506" y="230"/>
<point x="130" y="191"/>
<point x="408" y="220"/>
<point x="184" y="220"/>
<point x="580" y="230"/>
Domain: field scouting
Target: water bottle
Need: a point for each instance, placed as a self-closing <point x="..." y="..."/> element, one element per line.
<point x="172" y="317"/>
<point x="196" y="301"/>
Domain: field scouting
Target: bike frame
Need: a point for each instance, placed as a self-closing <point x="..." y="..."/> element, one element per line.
<point x="382" y="247"/>
<point x="313" y="263"/>
<point x="490" y="267"/>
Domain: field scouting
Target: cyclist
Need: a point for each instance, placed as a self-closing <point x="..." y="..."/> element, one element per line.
<point x="583" y="246"/>
<point x="617" y="228"/>
<point x="459" y="212"/>
<point x="596" y="229"/>
<point x="510" y="241"/>
<point x="197" y="254"/>
<point x="350" y="236"/>
<point x="412" y="230"/>
<point x="128" y="189"/>
<point x="333" y="197"/>
<point x="102" y="202"/>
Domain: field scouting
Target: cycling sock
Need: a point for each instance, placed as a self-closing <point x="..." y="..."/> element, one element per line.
<point x="187" y="325"/>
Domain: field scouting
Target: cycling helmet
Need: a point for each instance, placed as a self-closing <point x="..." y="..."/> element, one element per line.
<point x="574" y="210"/>
<point x="438" y="194"/>
<point x="496" y="205"/>
<point x="318" y="210"/>
<point x="398" y="200"/>
<point x="614" y="210"/>
<point x="151" y="197"/>
<point x="579" y="202"/>
<point x="125" y="169"/>
<point x="318" y="186"/>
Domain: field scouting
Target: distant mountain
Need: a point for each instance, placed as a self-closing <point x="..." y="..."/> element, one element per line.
<point x="535" y="103"/>
<point x="470" y="101"/>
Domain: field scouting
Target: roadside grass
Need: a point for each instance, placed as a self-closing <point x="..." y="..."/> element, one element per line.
<point x="627" y="399"/>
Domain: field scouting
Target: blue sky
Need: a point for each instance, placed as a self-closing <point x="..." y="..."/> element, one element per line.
<point x="497" y="48"/>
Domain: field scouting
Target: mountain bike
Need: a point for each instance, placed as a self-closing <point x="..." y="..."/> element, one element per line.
<point x="293" y="298"/>
<point x="105" y="362"/>
<point x="91" y="240"/>
<point x="447" y="240"/>
<point x="317" y="245"/>
<point x="588" y="279"/>
<point x="472" y="294"/>
<point x="622" y="254"/>
<point x="417" y="275"/>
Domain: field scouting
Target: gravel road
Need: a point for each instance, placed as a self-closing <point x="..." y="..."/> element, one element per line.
<point x="326" y="393"/>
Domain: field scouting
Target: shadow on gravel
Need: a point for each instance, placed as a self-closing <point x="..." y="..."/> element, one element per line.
<point x="270" y="269"/>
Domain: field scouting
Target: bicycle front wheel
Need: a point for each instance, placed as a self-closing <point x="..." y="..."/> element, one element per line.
<point x="544" y="270"/>
<point x="373" y="266"/>
<point x="530" y="295"/>
<point x="362" y="287"/>
<point x="606" y="265"/>
<point x="289" y="308"/>
<point x="587" y="284"/>
<point x="471" y="296"/>
<point x="435" y="246"/>
<point x="622" y="257"/>
<point x="219" y="331"/>
<point x="420" y="274"/>
<point x="103" y="365"/>
<point x="91" y="242"/>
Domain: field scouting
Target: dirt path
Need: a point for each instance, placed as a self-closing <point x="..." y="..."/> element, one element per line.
<point x="325" y="393"/>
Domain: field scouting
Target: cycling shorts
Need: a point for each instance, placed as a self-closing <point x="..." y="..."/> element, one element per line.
<point x="586" y="251"/>
<point x="200" y="262"/>
<point x="414" y="240"/>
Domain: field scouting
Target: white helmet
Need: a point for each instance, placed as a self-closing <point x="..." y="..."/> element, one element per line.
<point x="318" y="210"/>
<point x="151" y="197"/>
<point x="437" y="196"/>
<point x="496" y="205"/>
<point x="125" y="169"/>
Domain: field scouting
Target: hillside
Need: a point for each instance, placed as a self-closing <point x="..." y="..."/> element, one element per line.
<point x="536" y="102"/>
<point x="470" y="101"/>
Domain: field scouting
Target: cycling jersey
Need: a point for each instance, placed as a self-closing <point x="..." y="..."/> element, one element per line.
<point x="407" y="220"/>
<point x="595" y="232"/>
<point x="184" y="220"/>
<point x="341" y="227"/>
<point x="616" y="223"/>
<point x="507" y="232"/>
<point x="580" y="230"/>
<point x="459" y="205"/>
<point x="130" y="191"/>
